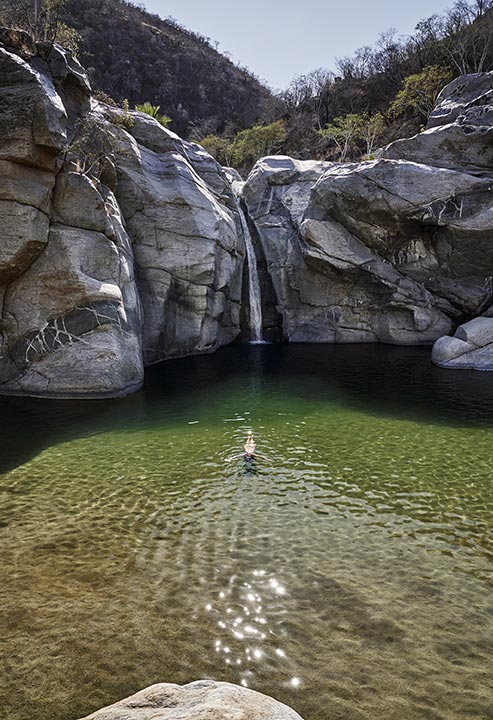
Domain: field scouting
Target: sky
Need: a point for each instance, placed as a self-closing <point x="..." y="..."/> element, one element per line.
<point x="279" y="39"/>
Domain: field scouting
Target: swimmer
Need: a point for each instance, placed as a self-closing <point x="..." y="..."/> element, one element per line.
<point x="250" y="445"/>
<point x="250" y="453"/>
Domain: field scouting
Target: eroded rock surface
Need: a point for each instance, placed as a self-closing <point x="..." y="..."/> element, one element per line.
<point x="201" y="700"/>
<point x="121" y="243"/>
<point x="396" y="250"/>
<point x="330" y="285"/>
<point x="182" y="217"/>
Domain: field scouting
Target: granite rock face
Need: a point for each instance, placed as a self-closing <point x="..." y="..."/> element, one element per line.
<point x="471" y="347"/>
<point x="183" y="220"/>
<point x="330" y="285"/>
<point x="121" y="243"/>
<point x="201" y="700"/>
<point x="397" y="249"/>
<point x="69" y="308"/>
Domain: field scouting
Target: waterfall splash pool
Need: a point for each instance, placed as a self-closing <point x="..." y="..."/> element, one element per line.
<point x="349" y="578"/>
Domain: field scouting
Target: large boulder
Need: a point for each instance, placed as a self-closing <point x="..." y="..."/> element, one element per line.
<point x="459" y="132"/>
<point x="184" y="223"/>
<point x="471" y="347"/>
<point x="330" y="285"/>
<point x="201" y="700"/>
<point x="396" y="249"/>
<point x="432" y="224"/>
<point x="122" y="244"/>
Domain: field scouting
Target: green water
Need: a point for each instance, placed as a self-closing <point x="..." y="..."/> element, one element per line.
<point x="350" y="577"/>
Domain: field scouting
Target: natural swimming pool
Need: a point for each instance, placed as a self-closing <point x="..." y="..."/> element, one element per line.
<point x="350" y="578"/>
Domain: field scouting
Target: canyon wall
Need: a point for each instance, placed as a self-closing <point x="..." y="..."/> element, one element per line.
<point x="123" y="245"/>
<point x="398" y="249"/>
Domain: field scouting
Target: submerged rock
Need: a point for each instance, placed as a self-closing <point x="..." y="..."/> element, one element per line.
<point x="201" y="700"/>
<point x="471" y="347"/>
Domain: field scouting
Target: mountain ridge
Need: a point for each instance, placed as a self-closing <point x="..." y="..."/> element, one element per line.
<point x="135" y="55"/>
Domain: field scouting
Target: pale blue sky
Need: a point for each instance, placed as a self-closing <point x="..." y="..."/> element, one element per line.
<point x="278" y="39"/>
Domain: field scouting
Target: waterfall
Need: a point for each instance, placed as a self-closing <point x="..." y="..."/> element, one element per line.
<point x="254" y="296"/>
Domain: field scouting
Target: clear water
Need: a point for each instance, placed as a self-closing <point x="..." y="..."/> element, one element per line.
<point x="350" y="578"/>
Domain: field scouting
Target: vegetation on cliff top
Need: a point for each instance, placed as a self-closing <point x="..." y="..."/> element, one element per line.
<point x="382" y="93"/>
<point x="132" y="54"/>
<point x="375" y="96"/>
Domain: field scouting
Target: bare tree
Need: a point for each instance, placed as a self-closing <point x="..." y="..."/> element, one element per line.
<point x="468" y="36"/>
<point x="41" y="18"/>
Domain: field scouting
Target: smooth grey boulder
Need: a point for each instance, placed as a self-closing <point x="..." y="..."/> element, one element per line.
<point x="201" y="700"/>
<point x="471" y="348"/>
<point x="465" y="94"/>
<point x="330" y="285"/>
<point x="458" y="145"/>
<point x="433" y="225"/>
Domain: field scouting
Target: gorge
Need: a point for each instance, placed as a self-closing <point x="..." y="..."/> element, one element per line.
<point x="125" y="245"/>
<point x="347" y="571"/>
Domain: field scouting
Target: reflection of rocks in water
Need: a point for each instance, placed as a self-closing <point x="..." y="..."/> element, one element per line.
<point x="400" y="382"/>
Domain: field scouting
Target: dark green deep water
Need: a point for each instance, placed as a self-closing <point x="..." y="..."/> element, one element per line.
<point x="350" y="578"/>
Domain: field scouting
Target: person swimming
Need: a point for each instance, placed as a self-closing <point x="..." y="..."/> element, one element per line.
<point x="250" y="453"/>
<point x="250" y="446"/>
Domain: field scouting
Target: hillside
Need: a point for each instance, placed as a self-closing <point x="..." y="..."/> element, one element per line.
<point x="132" y="54"/>
<point x="375" y="96"/>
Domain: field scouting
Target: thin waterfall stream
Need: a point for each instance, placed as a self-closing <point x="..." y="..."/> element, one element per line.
<point x="254" y="293"/>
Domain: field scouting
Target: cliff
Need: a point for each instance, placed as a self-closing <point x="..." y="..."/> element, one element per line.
<point x="124" y="245"/>
<point x="398" y="249"/>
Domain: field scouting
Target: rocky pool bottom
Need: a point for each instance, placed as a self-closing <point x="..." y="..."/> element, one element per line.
<point x="348" y="577"/>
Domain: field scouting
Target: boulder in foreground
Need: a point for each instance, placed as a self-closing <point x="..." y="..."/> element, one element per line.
<point x="201" y="700"/>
